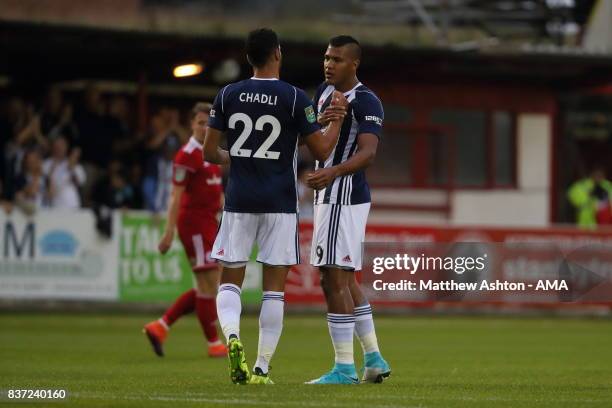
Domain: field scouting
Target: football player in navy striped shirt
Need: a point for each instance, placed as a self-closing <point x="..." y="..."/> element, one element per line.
<point x="342" y="204"/>
<point x="264" y="119"/>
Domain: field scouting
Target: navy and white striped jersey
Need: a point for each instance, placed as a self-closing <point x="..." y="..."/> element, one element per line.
<point x="364" y="115"/>
<point x="262" y="119"/>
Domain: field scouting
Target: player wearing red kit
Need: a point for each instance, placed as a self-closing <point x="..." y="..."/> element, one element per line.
<point x="193" y="207"/>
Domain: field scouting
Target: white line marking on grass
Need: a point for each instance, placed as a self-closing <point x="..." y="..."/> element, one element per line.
<point x="194" y="397"/>
<point x="236" y="401"/>
<point x="479" y="399"/>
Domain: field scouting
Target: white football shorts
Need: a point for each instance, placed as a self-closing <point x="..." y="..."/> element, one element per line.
<point x="338" y="235"/>
<point x="276" y="235"/>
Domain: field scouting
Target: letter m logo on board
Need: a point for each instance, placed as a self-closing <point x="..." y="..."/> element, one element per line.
<point x="18" y="245"/>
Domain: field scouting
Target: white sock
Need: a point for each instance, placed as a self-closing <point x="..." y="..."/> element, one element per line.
<point x="228" y="309"/>
<point x="341" y="328"/>
<point x="270" y="327"/>
<point x="163" y="323"/>
<point x="364" y="328"/>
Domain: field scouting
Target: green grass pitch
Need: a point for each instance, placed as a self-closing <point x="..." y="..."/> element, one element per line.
<point x="104" y="361"/>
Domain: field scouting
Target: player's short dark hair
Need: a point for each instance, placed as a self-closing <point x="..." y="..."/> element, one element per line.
<point x="200" y="107"/>
<point x="342" y="40"/>
<point x="260" y="44"/>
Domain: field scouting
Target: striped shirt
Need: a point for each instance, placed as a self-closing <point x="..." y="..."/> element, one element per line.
<point x="364" y="115"/>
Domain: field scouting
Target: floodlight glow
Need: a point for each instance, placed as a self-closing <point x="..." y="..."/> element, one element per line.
<point x="186" y="70"/>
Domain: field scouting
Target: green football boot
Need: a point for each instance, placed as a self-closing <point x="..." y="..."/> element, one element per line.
<point x="239" y="370"/>
<point x="258" y="377"/>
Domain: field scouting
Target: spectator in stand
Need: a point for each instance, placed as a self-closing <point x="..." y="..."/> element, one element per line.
<point x="31" y="185"/>
<point x="65" y="175"/>
<point x="592" y="198"/>
<point x="157" y="182"/>
<point x="113" y="189"/>
<point x="56" y="117"/>
<point x="135" y="182"/>
<point x="164" y="125"/>
<point x="29" y="132"/>
<point x="16" y="114"/>
<point x="119" y="112"/>
<point x="167" y="135"/>
<point x="5" y="137"/>
<point x="111" y="192"/>
<point x="26" y="134"/>
<point x="98" y="136"/>
<point x="101" y="132"/>
<point x="126" y="141"/>
<point x="94" y="141"/>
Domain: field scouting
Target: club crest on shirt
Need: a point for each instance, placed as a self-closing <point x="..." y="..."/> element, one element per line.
<point x="310" y="115"/>
<point x="179" y="174"/>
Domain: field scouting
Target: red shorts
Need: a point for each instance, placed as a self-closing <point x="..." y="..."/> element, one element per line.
<point x="197" y="231"/>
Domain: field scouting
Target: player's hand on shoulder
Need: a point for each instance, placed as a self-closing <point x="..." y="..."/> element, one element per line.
<point x="321" y="178"/>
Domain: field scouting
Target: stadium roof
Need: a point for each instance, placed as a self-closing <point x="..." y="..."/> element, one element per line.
<point x="403" y="23"/>
<point x="42" y="53"/>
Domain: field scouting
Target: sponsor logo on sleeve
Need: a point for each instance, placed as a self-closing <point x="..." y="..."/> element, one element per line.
<point x="374" y="119"/>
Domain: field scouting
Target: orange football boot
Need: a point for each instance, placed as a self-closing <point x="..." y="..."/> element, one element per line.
<point x="156" y="333"/>
<point x="217" y="350"/>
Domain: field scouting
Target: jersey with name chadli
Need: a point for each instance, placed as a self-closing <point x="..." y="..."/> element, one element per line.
<point x="262" y="120"/>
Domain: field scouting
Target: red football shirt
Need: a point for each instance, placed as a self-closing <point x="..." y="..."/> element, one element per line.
<point x="202" y="180"/>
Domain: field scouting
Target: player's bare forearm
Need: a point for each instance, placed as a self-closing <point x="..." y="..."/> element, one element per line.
<point x="331" y="134"/>
<point x="222" y="157"/>
<point x="323" y="177"/>
<point x="359" y="161"/>
<point x="212" y="152"/>
<point x="321" y="144"/>
<point x="219" y="156"/>
<point x="173" y="208"/>
<point x="363" y="157"/>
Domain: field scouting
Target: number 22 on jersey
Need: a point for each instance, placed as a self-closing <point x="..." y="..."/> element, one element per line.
<point x="263" y="152"/>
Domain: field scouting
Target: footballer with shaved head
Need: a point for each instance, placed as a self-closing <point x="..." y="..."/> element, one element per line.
<point x="342" y="204"/>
